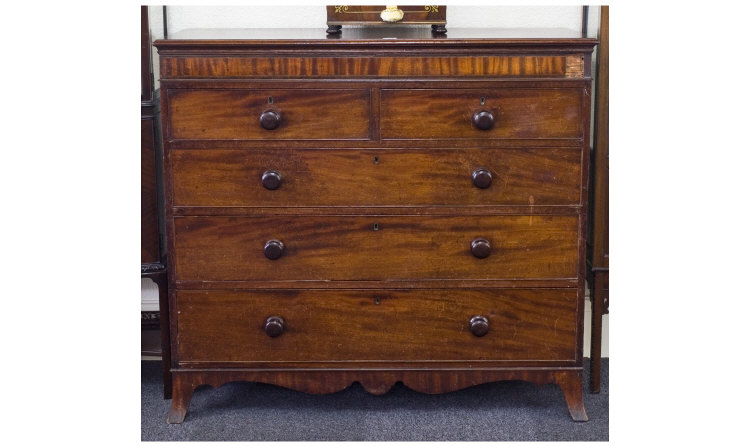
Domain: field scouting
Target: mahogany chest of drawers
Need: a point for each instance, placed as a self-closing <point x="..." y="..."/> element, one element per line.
<point x="379" y="206"/>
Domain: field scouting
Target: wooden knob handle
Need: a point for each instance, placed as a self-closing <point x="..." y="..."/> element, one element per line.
<point x="482" y="178"/>
<point x="271" y="179"/>
<point x="484" y="120"/>
<point x="480" y="248"/>
<point x="274" y="326"/>
<point x="273" y="249"/>
<point x="479" y="325"/>
<point x="270" y="119"/>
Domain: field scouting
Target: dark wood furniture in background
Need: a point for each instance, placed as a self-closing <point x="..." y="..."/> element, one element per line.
<point x="599" y="236"/>
<point x="374" y="209"/>
<point x="371" y="15"/>
<point x="152" y="256"/>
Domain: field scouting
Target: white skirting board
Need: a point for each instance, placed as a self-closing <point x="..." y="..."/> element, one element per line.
<point x="587" y="332"/>
<point x="150" y="302"/>
<point x="149" y="295"/>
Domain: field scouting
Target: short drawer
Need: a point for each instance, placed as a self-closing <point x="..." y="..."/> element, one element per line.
<point x="340" y="248"/>
<point x="382" y="325"/>
<point x="307" y="177"/>
<point x="473" y="113"/>
<point x="286" y="114"/>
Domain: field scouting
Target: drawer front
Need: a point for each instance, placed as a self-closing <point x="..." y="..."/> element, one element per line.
<point x="236" y="114"/>
<point x="404" y="66"/>
<point x="340" y="248"/>
<point x="377" y="177"/>
<point x="449" y="113"/>
<point x="383" y="325"/>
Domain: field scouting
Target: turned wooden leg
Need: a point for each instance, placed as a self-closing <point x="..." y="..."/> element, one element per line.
<point x="182" y="392"/>
<point x="597" y="306"/>
<point x="571" y="383"/>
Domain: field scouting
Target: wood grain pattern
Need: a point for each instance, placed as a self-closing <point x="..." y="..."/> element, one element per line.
<point x="571" y="384"/>
<point x="355" y="67"/>
<point x="324" y="381"/>
<point x="348" y="248"/>
<point x="383" y="325"/>
<point x="403" y="284"/>
<point x="235" y="114"/>
<point x="574" y="66"/>
<point x="548" y="176"/>
<point x="448" y="113"/>
<point x="376" y="282"/>
<point x="441" y="210"/>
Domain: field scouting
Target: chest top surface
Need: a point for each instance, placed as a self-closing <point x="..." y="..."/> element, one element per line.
<point x="380" y="37"/>
<point x="375" y="52"/>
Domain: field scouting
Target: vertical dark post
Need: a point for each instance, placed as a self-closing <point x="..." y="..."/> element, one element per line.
<point x="600" y="234"/>
<point x="585" y="22"/>
<point x="152" y="251"/>
<point x="164" y="19"/>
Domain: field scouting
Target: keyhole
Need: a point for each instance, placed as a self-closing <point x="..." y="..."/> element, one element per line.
<point x="482" y="100"/>
<point x="376" y="227"/>
<point x="376" y="160"/>
<point x="270" y="99"/>
<point x="377" y="300"/>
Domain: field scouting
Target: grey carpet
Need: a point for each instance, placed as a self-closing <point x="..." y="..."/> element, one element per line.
<point x="500" y="411"/>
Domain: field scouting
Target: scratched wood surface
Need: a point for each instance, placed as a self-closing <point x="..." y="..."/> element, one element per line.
<point x="343" y="325"/>
<point x="340" y="248"/>
<point x="235" y="114"/>
<point x="534" y="176"/>
<point x="447" y="113"/>
<point x="393" y="301"/>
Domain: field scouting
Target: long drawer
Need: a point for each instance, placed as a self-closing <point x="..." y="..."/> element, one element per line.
<point x="509" y="113"/>
<point x="396" y="177"/>
<point x="383" y="325"/>
<point x="340" y="248"/>
<point x="292" y="114"/>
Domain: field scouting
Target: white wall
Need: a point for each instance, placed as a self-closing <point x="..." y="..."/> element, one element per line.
<point x="314" y="16"/>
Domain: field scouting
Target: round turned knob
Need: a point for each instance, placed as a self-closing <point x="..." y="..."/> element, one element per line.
<point x="274" y="326"/>
<point x="271" y="180"/>
<point x="274" y="249"/>
<point x="482" y="178"/>
<point x="484" y="120"/>
<point x="479" y="325"/>
<point x="270" y="120"/>
<point x="480" y="248"/>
